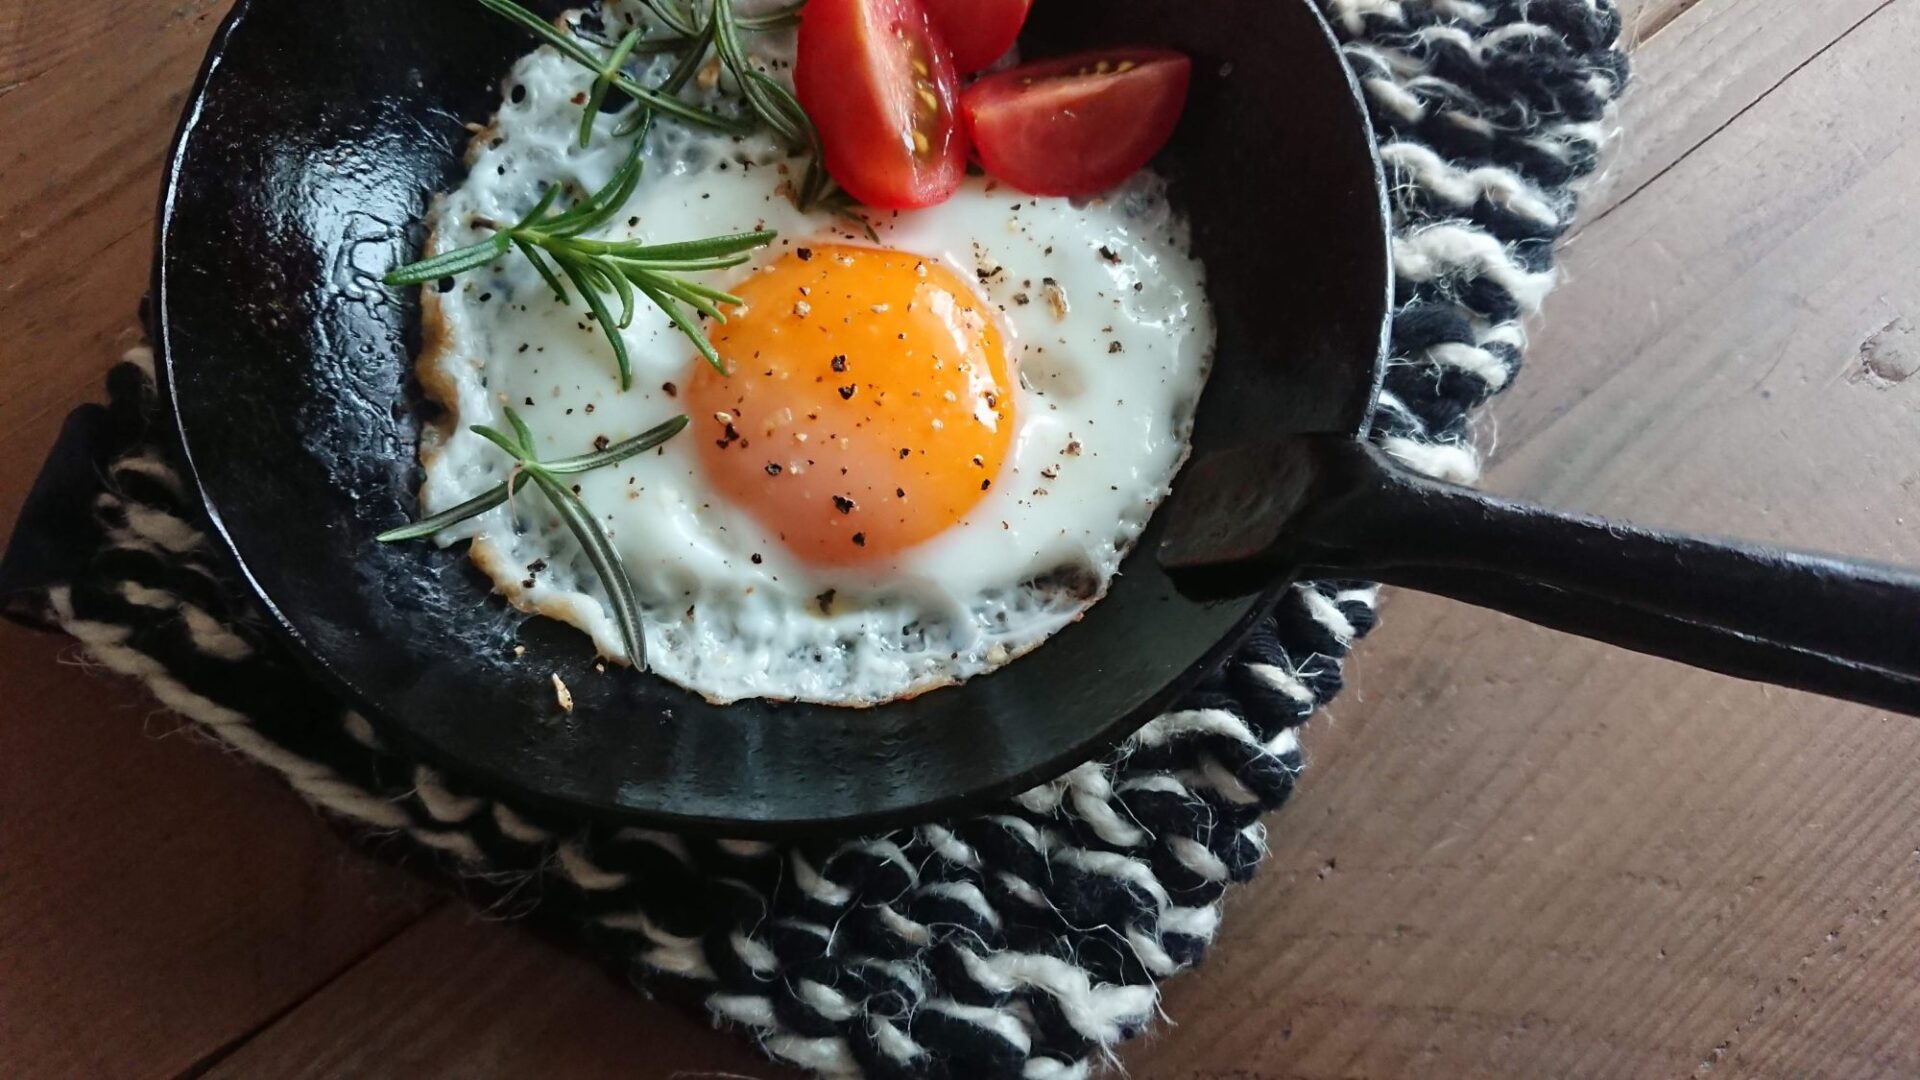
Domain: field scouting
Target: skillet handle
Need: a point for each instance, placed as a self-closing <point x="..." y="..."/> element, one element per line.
<point x="1702" y="646"/>
<point x="1334" y="505"/>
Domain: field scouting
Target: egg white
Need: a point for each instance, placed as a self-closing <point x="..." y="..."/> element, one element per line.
<point x="1106" y="322"/>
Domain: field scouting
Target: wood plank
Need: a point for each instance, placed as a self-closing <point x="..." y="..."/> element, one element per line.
<point x="460" y="997"/>
<point x="1698" y="65"/>
<point x="1516" y="858"/>
<point x="159" y="897"/>
<point x="1735" y="317"/>
<point x="88" y="114"/>
<point x="1522" y="856"/>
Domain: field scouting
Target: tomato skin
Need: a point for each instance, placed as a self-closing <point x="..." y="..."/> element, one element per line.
<point x="1068" y="126"/>
<point x="882" y="89"/>
<point x="978" y="31"/>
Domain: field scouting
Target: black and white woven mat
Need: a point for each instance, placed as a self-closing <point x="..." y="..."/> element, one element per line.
<point x="1025" y="943"/>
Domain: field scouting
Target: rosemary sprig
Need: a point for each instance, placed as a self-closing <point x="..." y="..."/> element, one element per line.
<point x="555" y="243"/>
<point x="608" y="71"/>
<point x="683" y="72"/>
<point x="773" y="103"/>
<point x="545" y="475"/>
<point x="690" y="40"/>
<point x="604" y="82"/>
<point x="767" y="100"/>
<point x="684" y="24"/>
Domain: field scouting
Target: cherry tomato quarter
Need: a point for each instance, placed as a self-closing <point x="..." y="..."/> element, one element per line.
<point x="882" y="89"/>
<point x="1076" y="125"/>
<point x="978" y="31"/>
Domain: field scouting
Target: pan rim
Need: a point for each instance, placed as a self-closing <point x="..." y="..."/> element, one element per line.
<point x="1098" y="740"/>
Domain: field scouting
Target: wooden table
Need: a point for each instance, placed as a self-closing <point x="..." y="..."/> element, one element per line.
<point x="1516" y="854"/>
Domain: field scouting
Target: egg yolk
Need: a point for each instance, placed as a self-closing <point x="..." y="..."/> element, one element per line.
<point x="867" y="405"/>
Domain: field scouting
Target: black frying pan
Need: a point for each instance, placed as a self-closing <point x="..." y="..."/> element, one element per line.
<point x="309" y="148"/>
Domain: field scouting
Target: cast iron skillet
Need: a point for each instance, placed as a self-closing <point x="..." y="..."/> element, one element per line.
<point x="314" y="139"/>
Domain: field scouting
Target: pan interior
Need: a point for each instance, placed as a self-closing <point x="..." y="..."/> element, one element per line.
<point x="308" y="151"/>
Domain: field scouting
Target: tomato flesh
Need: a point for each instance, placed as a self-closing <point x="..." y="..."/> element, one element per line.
<point x="882" y="89"/>
<point x="1077" y="125"/>
<point x="978" y="31"/>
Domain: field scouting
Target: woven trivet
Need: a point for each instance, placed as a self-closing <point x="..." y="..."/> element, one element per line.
<point x="1024" y="943"/>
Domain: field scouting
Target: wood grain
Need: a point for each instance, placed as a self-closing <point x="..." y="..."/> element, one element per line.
<point x="89" y="96"/>
<point x="159" y="899"/>
<point x="458" y="997"/>
<point x="1516" y="855"/>
<point x="1521" y="855"/>
<point x="1694" y="75"/>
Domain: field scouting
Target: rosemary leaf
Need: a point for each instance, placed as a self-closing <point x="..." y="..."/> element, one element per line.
<point x="547" y="198"/>
<point x="539" y="262"/>
<point x="540" y="28"/>
<point x="529" y="453"/>
<point x="600" y="205"/>
<point x="578" y="272"/>
<point x="702" y="297"/>
<point x="763" y="94"/>
<point x="504" y="442"/>
<point x="606" y="562"/>
<point x="675" y="107"/>
<point x="618" y="452"/>
<point x="598" y="94"/>
<point x="453" y="262"/>
<point x="624" y="289"/>
<point x="472" y="508"/>
<point x="765" y="97"/>
<point x="568" y="44"/>
<point x="683" y="22"/>
<point x="683" y="72"/>
<point x="677" y="19"/>
<point x="709" y="247"/>
<point x="772" y="20"/>
<point x="720" y="296"/>
<point x="651" y="266"/>
<point x="679" y="316"/>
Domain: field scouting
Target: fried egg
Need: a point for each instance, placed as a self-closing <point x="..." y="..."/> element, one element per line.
<point x="930" y="449"/>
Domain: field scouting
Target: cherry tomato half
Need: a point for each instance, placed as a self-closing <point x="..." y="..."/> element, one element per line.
<point x="978" y="31"/>
<point x="882" y="89"/>
<point x="1080" y="124"/>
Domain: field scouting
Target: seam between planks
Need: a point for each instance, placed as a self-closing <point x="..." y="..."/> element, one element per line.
<point x="1730" y="121"/>
<point x="1651" y="28"/>
<point x="214" y="1057"/>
